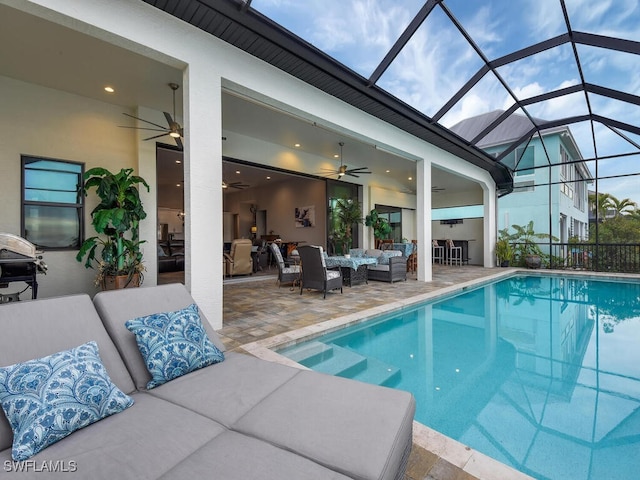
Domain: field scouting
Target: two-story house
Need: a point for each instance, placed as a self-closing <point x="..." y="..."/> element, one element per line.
<point x="556" y="198"/>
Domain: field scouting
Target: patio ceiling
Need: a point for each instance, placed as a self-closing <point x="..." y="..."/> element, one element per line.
<point x="425" y="66"/>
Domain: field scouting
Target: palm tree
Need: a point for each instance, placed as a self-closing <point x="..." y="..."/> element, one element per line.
<point x="600" y="205"/>
<point x="622" y="206"/>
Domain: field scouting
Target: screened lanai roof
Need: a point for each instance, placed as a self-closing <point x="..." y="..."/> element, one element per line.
<point x="425" y="66"/>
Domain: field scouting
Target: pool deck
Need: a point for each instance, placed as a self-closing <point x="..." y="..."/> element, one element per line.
<point x="259" y="315"/>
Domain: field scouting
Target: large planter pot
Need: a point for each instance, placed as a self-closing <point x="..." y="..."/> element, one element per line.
<point x="116" y="282"/>
<point x="504" y="263"/>
<point x="533" y="261"/>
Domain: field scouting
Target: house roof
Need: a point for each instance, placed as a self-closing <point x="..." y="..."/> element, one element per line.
<point x="552" y="58"/>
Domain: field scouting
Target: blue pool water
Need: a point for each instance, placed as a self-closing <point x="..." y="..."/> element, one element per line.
<point x="540" y="373"/>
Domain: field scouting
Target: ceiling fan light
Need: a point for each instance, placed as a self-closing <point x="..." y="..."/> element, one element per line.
<point x="174" y="134"/>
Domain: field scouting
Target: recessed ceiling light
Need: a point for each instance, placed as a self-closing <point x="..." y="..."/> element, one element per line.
<point x="388" y="171"/>
<point x="177" y="184"/>
<point x="178" y="161"/>
<point x="410" y="178"/>
<point x="268" y="178"/>
<point x="297" y="145"/>
<point x="238" y="171"/>
<point x="109" y="89"/>
<point x="336" y="156"/>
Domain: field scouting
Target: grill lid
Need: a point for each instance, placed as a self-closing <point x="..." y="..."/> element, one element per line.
<point x="13" y="247"/>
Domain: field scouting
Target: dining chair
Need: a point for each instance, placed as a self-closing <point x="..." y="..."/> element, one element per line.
<point x="437" y="252"/>
<point x="386" y="244"/>
<point x="455" y="253"/>
<point x="286" y="273"/>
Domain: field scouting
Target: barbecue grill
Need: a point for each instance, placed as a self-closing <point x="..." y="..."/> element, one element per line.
<point x="19" y="262"/>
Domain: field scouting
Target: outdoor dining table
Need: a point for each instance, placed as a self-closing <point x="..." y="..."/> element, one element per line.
<point x="404" y="247"/>
<point x="354" y="269"/>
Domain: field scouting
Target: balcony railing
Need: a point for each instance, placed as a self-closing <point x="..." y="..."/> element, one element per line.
<point x="603" y="257"/>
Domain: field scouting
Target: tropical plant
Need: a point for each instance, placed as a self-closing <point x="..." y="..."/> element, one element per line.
<point x="347" y="212"/>
<point x="381" y="227"/>
<point x="116" y="220"/>
<point x="504" y="250"/>
<point x="524" y="241"/>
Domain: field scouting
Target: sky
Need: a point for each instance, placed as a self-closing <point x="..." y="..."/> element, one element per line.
<point x="438" y="60"/>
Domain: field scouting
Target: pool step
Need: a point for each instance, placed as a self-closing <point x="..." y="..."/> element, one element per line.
<point x="308" y="354"/>
<point x="379" y="373"/>
<point x="344" y="362"/>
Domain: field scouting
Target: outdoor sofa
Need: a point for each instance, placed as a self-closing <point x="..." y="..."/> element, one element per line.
<point x="391" y="266"/>
<point x="241" y="418"/>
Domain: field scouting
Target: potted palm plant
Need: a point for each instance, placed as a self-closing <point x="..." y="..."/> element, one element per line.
<point x="381" y="227"/>
<point x="347" y="213"/>
<point x="115" y="251"/>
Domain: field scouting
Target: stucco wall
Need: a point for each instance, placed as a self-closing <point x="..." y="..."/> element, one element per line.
<point x="48" y="123"/>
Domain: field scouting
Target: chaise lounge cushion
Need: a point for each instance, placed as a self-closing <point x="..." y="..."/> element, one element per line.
<point x="232" y="456"/>
<point x="143" y="442"/>
<point x="228" y="390"/>
<point x="329" y="420"/>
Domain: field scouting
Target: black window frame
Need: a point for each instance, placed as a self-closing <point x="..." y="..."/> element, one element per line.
<point x="79" y="206"/>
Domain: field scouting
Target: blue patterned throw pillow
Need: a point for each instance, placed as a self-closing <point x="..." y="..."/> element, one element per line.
<point x="51" y="397"/>
<point x="173" y="344"/>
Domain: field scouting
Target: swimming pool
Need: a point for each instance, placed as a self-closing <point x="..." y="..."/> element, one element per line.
<point x="539" y="372"/>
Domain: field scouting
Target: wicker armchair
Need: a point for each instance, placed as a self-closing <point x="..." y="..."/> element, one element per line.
<point x="314" y="271"/>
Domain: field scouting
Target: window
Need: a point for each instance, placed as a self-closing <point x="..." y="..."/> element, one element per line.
<point x="52" y="206"/>
<point x="393" y="215"/>
<point x="525" y="161"/>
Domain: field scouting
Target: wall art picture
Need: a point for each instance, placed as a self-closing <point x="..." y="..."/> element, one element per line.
<point x="305" y="216"/>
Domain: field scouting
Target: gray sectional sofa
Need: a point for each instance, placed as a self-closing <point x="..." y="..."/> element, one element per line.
<point x="391" y="266"/>
<point x="243" y="418"/>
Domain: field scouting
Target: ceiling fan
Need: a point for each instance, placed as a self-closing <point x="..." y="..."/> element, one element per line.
<point x="238" y="185"/>
<point x="344" y="170"/>
<point x="174" y="129"/>
<point x="437" y="189"/>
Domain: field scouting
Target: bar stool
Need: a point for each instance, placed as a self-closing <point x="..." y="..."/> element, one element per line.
<point x="437" y="252"/>
<point x="455" y="253"/>
<point x="412" y="261"/>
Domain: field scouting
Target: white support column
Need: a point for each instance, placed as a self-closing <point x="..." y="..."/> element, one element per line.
<point x="423" y="219"/>
<point x="203" y="190"/>
<point x="490" y="230"/>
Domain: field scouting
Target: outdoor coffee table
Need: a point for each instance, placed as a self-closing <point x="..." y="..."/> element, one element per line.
<point x="354" y="269"/>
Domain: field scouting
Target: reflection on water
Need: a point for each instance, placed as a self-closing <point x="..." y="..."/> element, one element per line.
<point x="541" y="373"/>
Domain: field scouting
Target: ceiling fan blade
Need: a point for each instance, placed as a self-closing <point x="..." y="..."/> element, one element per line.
<point x="178" y="142"/>
<point x="357" y="170"/>
<point x="169" y="119"/>
<point x="145" y="128"/>
<point x="146" y="121"/>
<point x="157" y="136"/>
